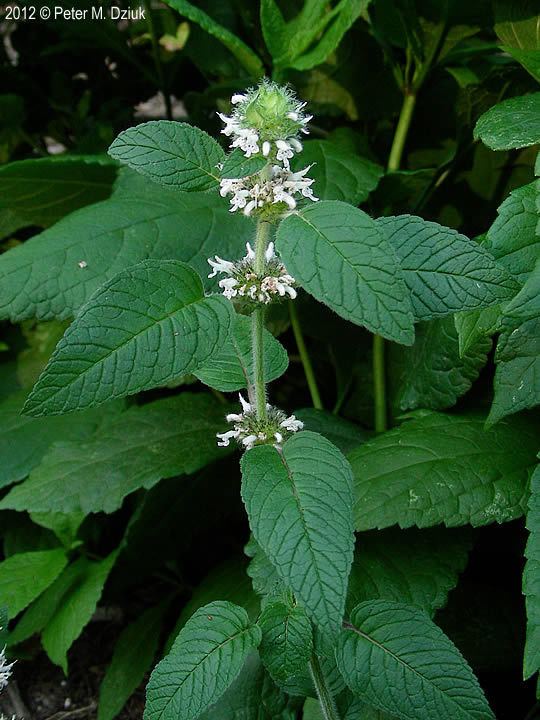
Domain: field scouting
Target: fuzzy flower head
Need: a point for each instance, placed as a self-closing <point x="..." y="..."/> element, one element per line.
<point x="250" y="288"/>
<point x="269" y="197"/>
<point x="267" y="119"/>
<point x="5" y="669"/>
<point x="248" y="431"/>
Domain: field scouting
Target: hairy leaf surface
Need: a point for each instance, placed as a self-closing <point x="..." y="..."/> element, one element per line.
<point x="513" y="123"/>
<point x="340" y="256"/>
<point x="135" y="450"/>
<point x="171" y="153"/>
<point x="287" y="641"/>
<point x="444" y="270"/>
<point x="54" y="273"/>
<point x="299" y="507"/>
<point x="232" y="368"/>
<point x="206" y="657"/>
<point x="395" y="658"/>
<point x="145" y="327"/>
<point x="443" y="469"/>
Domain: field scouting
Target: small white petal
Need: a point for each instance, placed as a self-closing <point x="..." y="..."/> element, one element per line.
<point x="266" y="148"/>
<point x="270" y="254"/>
<point x="246" y="407"/>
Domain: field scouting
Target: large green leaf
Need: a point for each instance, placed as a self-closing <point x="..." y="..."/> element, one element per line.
<point x="76" y="610"/>
<point x="206" y="657"/>
<point x="299" y="504"/>
<point x="338" y="173"/>
<point x="135" y="450"/>
<point x="54" y="273"/>
<point x="228" y="581"/>
<point x="513" y="238"/>
<point x="517" y="377"/>
<point x="431" y="373"/>
<point x="133" y="655"/>
<point x="232" y="368"/>
<point x="242" y="52"/>
<point x="531" y="580"/>
<point x="42" y="610"/>
<point x="443" y="469"/>
<point x="24" y="576"/>
<point x="513" y="123"/>
<point x="43" y="190"/>
<point x="340" y="255"/>
<point x="516" y="23"/>
<point x="171" y="153"/>
<point x="342" y="433"/>
<point x="145" y="327"/>
<point x="396" y="659"/>
<point x="287" y="641"/>
<point x="444" y="270"/>
<point x="473" y="326"/>
<point x="24" y="440"/>
<point x="416" y="567"/>
<point x="252" y="696"/>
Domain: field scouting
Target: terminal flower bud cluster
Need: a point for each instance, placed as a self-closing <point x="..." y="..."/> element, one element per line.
<point x="245" y="284"/>
<point x="249" y="431"/>
<point x="267" y="119"/>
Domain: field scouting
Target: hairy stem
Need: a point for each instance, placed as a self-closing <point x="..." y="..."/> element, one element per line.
<point x="394" y="161"/>
<point x="157" y="59"/>
<point x="304" y="357"/>
<point x="257" y="325"/>
<point x="326" y="700"/>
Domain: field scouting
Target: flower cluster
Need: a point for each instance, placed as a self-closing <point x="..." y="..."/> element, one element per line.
<point x="5" y="669"/>
<point x="256" y="194"/>
<point x="267" y="119"/>
<point x="249" y="431"/>
<point x="244" y="283"/>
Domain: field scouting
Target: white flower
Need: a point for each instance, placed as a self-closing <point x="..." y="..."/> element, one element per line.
<point x="243" y="282"/>
<point x="253" y="193"/>
<point x="292" y="424"/>
<point x="5" y="669"/>
<point x="267" y="118"/>
<point x="249" y="431"/>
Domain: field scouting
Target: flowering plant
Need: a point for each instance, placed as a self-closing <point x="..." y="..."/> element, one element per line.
<point x="230" y="277"/>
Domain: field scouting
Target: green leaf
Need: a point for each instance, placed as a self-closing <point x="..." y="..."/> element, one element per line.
<point x="54" y="273"/>
<point x="26" y="575"/>
<point x="145" y="327"/>
<point x="349" y="708"/>
<point x="232" y="368"/>
<point x="443" y="469"/>
<point x="42" y="610"/>
<point x="145" y="444"/>
<point x="444" y="270"/>
<point x="473" y="326"/>
<point x="299" y="507"/>
<point x="338" y="173"/>
<point x="416" y="567"/>
<point x="530" y="59"/>
<point x="516" y="23"/>
<point x="517" y="377"/>
<point x="237" y="165"/>
<point x="513" y="123"/>
<point x="431" y="373"/>
<point x="64" y="526"/>
<point x="171" y="153"/>
<point x="340" y="256"/>
<point x="242" y="52"/>
<point x="287" y="641"/>
<point x="206" y="657"/>
<point x="228" y="581"/>
<point x="344" y="434"/>
<point x="531" y="580"/>
<point x="396" y="659"/>
<point x="337" y="22"/>
<point x="133" y="655"/>
<point x="252" y="696"/>
<point x="512" y="239"/>
<point x="41" y="191"/>
<point x="76" y="610"/>
<point x="265" y="580"/>
<point x="24" y="440"/>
